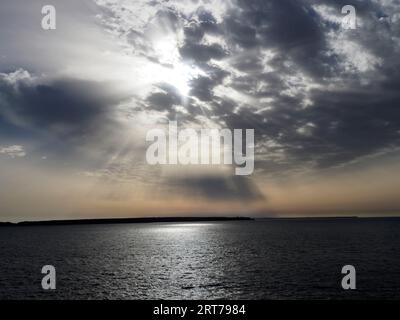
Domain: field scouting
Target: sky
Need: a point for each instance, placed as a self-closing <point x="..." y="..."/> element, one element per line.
<point x="76" y="104"/>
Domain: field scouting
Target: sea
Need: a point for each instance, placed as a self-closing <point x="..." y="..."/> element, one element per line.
<point x="260" y="259"/>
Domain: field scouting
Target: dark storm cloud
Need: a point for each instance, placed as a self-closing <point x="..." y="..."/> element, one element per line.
<point x="165" y="99"/>
<point x="64" y="107"/>
<point x="239" y="32"/>
<point x="202" y="88"/>
<point x="353" y="124"/>
<point x="193" y="50"/>
<point x="359" y="119"/>
<point x="340" y="127"/>
<point x="237" y="188"/>
<point x="248" y="62"/>
<point x="291" y="27"/>
<point x="201" y="52"/>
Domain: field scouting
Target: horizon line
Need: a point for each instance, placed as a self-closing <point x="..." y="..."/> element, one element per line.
<point x="156" y="219"/>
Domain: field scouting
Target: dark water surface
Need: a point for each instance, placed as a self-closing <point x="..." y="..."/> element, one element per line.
<point x="263" y="259"/>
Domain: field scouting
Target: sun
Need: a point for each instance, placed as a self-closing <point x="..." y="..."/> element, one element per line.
<point x="180" y="76"/>
<point x="171" y="68"/>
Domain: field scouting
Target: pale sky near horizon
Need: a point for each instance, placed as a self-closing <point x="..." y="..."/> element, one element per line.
<point x="76" y="103"/>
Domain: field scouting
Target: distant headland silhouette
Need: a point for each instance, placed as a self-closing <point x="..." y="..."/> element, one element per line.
<point x="122" y="220"/>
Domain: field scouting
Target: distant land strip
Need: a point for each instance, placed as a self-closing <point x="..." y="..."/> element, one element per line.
<point x="196" y="219"/>
<point x="122" y="220"/>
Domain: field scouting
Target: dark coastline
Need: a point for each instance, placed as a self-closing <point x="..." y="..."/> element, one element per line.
<point x="122" y="220"/>
<point x="190" y="219"/>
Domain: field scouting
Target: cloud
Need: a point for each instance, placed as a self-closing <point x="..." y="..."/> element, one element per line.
<point x="75" y="122"/>
<point x="14" y="151"/>
<point x="218" y="188"/>
<point x="164" y="99"/>
<point x="200" y="53"/>
<point x="62" y="106"/>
